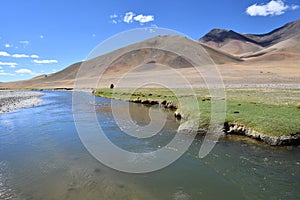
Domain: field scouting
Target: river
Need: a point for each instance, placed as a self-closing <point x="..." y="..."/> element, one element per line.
<point x="42" y="157"/>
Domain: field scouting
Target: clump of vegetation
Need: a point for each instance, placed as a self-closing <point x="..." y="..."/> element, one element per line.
<point x="298" y="105"/>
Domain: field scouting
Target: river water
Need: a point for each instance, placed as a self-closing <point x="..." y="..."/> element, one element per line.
<point x="42" y="157"/>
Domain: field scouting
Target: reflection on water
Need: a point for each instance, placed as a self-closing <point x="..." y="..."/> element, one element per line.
<point x="41" y="157"/>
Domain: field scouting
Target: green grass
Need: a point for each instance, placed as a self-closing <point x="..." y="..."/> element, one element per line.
<point x="272" y="112"/>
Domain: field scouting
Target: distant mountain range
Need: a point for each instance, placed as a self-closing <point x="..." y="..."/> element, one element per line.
<point x="271" y="58"/>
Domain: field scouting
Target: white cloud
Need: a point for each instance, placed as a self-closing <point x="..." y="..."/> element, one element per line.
<point x="3" y="73"/>
<point x="24" y="71"/>
<point x="20" y="56"/>
<point x="25" y="42"/>
<point x="42" y="36"/>
<point x="128" y="18"/>
<point x="8" y="45"/>
<point x="45" y="61"/>
<point x="10" y="64"/>
<point x="294" y="7"/>
<point x="34" y="56"/>
<point x="274" y="7"/>
<point x="144" y="18"/>
<point x="113" y="16"/>
<point x="4" y="53"/>
<point x="131" y="17"/>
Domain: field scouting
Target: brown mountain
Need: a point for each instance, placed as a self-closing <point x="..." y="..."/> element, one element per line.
<point x="145" y="59"/>
<point x="240" y="44"/>
<point x="288" y="31"/>
<point x="272" y="58"/>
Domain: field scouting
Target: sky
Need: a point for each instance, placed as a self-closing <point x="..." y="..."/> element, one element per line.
<point x="41" y="37"/>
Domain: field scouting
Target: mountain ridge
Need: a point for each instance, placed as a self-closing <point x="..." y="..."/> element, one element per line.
<point x="239" y="44"/>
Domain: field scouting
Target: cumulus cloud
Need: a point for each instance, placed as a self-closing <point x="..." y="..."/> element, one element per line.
<point x="10" y="64"/>
<point x="128" y="18"/>
<point x="274" y="7"/>
<point x="4" y="53"/>
<point x="34" y="56"/>
<point x="8" y="45"/>
<point x="144" y="18"/>
<point x="20" y="56"/>
<point x="131" y="17"/>
<point x="24" y="71"/>
<point x="45" y="61"/>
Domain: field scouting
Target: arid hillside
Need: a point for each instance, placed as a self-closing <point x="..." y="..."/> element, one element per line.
<point x="241" y="59"/>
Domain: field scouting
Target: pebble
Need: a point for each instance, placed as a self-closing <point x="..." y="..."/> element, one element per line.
<point x="12" y="100"/>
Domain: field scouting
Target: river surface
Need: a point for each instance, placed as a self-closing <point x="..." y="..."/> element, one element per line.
<point x="42" y="157"/>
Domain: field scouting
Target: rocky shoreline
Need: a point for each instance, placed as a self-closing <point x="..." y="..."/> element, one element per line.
<point x="283" y="140"/>
<point x="13" y="100"/>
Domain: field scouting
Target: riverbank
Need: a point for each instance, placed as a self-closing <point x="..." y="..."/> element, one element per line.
<point x="268" y="115"/>
<point x="13" y="100"/>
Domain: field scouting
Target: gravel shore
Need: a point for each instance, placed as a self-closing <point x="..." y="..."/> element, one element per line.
<point x="12" y="100"/>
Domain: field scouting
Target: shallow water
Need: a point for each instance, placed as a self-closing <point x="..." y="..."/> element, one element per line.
<point x="42" y="157"/>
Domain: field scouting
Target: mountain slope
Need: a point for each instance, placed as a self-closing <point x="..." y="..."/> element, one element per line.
<point x="287" y="49"/>
<point x="278" y="35"/>
<point x="230" y="42"/>
<point x="150" y="55"/>
<point x="240" y="44"/>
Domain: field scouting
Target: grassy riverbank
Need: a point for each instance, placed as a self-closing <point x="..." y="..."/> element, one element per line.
<point x="272" y="112"/>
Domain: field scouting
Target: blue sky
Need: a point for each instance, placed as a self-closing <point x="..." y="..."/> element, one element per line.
<point x="41" y="37"/>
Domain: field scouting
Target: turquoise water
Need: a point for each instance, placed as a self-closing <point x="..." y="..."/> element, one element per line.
<point x="42" y="157"/>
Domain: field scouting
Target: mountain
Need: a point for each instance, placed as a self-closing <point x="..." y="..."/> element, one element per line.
<point x="241" y="44"/>
<point x="150" y="56"/>
<point x="230" y="42"/>
<point x="272" y="58"/>
<point x="288" y="31"/>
